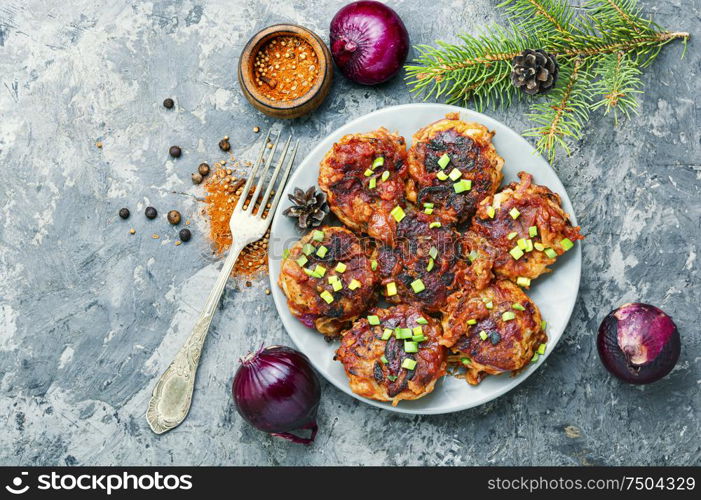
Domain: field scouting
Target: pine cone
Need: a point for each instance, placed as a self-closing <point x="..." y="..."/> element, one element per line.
<point x="534" y="71"/>
<point x="309" y="207"/>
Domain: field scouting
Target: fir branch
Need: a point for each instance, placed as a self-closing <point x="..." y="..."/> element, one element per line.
<point x="563" y="115"/>
<point x="618" y="84"/>
<point x="600" y="49"/>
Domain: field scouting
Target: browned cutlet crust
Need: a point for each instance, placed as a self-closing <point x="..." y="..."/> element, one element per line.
<point x="362" y="349"/>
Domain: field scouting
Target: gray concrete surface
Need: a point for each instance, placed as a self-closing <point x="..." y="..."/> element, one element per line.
<point x="90" y="315"/>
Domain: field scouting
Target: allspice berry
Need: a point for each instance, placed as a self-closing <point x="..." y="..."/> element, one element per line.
<point x="174" y="217"/>
<point x="124" y="213"/>
<point x="224" y="144"/>
<point x="203" y="169"/>
<point x="185" y="234"/>
<point x="175" y="151"/>
<point x="151" y="213"/>
<point x="168" y="103"/>
<point x="197" y="178"/>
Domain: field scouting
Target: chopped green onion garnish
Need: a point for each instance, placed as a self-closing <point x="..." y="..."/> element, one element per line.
<point x="433" y="252"/>
<point x="491" y="213"/>
<point x="318" y="235"/>
<point x="373" y="320"/>
<point x="373" y="264"/>
<point x="483" y="335"/>
<point x="511" y="236"/>
<point x="529" y="245"/>
<point x="322" y="251"/>
<point x="489" y="305"/>
<point x="368" y="173"/>
<point x="392" y="378"/>
<point x="418" y="286"/>
<point x="373" y="183"/>
<point x="384" y="359"/>
<point x="538" y="246"/>
<point x="302" y="261"/>
<point x="417" y="330"/>
<point x="341" y="267"/>
<point x="320" y="270"/>
<point x="428" y="211"/>
<point x="418" y="338"/>
<point x="442" y="176"/>
<point x="311" y="273"/>
<point x="398" y="213"/>
<point x="543" y="325"/>
<point x="443" y="161"/>
<point x="354" y="284"/>
<point x="385" y="175"/>
<point x="434" y="225"/>
<point x="386" y="334"/>
<point x="326" y="295"/>
<point x="533" y="231"/>
<point x="431" y="263"/>
<point x="523" y="281"/>
<point x="465" y="361"/>
<point x="473" y="255"/>
<point x="337" y="285"/>
<point x="521" y="243"/>
<point x="552" y="254"/>
<point x="378" y="162"/>
<point x="428" y="205"/>
<point x="409" y="364"/>
<point x="391" y="289"/>
<point x="422" y="321"/>
<point x="534" y="358"/>
<point x="285" y="253"/>
<point x="472" y="321"/>
<point x="541" y="349"/>
<point x="518" y="306"/>
<point x="308" y="249"/>
<point x="508" y="316"/>
<point x="411" y="346"/>
<point x="462" y="185"/>
<point x="514" y="213"/>
<point x="333" y="278"/>
<point x="516" y="253"/>
<point x="566" y="244"/>
<point x="455" y="174"/>
<point x="402" y="333"/>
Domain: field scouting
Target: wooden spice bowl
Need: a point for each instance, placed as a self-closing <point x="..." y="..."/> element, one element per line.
<point x="292" y="108"/>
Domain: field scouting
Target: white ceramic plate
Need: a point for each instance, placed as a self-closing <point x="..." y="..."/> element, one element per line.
<point x="555" y="293"/>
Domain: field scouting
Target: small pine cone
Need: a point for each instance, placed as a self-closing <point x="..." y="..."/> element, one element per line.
<point x="309" y="207"/>
<point x="534" y="71"/>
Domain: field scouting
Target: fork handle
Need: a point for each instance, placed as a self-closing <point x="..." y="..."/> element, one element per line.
<point x="172" y="396"/>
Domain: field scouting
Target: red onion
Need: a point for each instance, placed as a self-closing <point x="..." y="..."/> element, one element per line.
<point x="276" y="390"/>
<point x="638" y="343"/>
<point x="369" y="42"/>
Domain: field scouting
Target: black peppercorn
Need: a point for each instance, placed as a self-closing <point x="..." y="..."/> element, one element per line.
<point x="151" y="212"/>
<point x="174" y="217"/>
<point x="175" y="151"/>
<point x="185" y="234"/>
<point x="168" y="103"/>
<point x="224" y="144"/>
<point x="203" y="169"/>
<point x="196" y="178"/>
<point x="124" y="213"/>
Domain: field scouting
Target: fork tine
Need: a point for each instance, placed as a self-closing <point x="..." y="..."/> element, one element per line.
<point x="259" y="184"/>
<point x="271" y="183"/>
<point x="254" y="170"/>
<point x="283" y="181"/>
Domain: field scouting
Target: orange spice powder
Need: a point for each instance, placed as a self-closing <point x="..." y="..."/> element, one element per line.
<point x="286" y="68"/>
<point x="223" y="191"/>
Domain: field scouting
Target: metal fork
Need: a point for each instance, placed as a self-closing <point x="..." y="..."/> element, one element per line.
<point x="172" y="396"/>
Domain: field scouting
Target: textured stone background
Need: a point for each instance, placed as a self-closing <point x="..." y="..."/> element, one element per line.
<point x="90" y="316"/>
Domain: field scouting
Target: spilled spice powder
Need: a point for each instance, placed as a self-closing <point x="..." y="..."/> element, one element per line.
<point x="223" y="191"/>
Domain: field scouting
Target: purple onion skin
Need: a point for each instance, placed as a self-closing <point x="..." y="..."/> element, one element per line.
<point x="638" y="343"/>
<point x="369" y="42"/>
<point x="277" y="391"/>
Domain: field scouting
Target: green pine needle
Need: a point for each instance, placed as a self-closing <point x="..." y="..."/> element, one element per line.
<point x="601" y="49"/>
